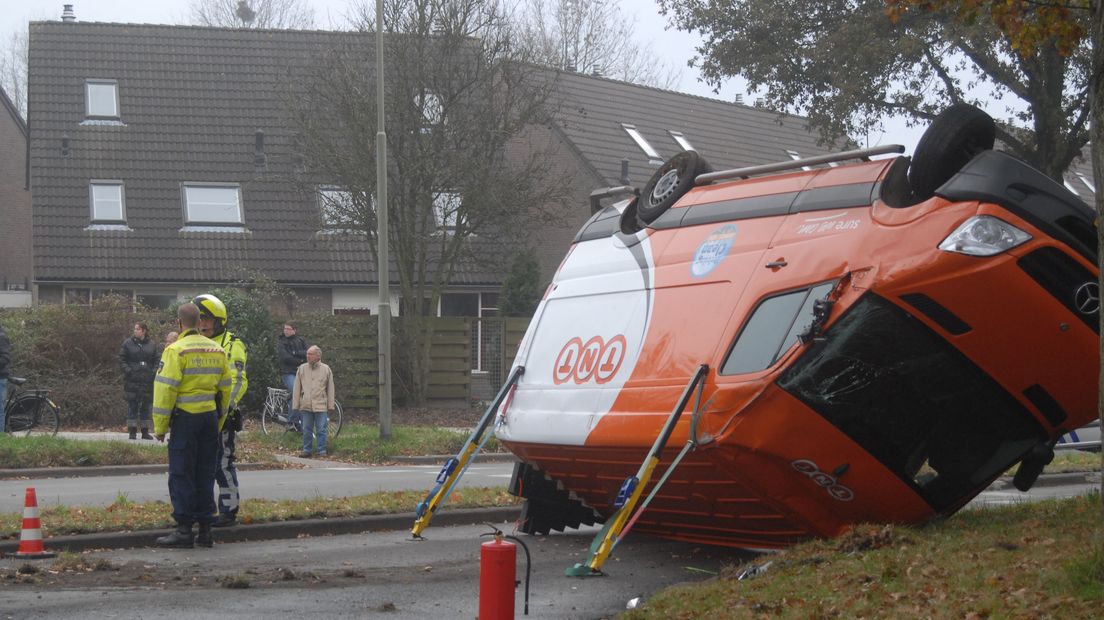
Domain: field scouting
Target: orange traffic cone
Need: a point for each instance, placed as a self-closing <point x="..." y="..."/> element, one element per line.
<point x="30" y="540"/>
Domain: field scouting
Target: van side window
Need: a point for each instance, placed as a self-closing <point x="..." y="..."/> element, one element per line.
<point x="773" y="328"/>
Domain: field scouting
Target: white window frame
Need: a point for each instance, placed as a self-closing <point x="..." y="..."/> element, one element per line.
<point x="444" y="220"/>
<point x="89" y="85"/>
<point x="186" y="204"/>
<point x="93" y="199"/>
<point x="794" y="155"/>
<point x="649" y="150"/>
<point x="680" y="138"/>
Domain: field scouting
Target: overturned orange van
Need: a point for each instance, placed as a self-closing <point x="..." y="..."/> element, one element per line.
<point x="883" y="338"/>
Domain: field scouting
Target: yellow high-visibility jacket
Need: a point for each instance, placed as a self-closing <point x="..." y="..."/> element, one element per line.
<point x="193" y="370"/>
<point x="236" y="352"/>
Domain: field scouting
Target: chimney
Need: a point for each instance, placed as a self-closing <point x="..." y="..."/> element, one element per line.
<point x="259" y="159"/>
<point x="65" y="151"/>
<point x="596" y="71"/>
<point x="624" y="172"/>
<point x="67" y="14"/>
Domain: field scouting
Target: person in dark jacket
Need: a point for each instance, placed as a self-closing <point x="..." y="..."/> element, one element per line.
<point x="138" y="359"/>
<point x="292" y="350"/>
<point x="5" y="362"/>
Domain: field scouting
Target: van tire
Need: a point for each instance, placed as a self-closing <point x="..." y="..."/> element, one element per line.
<point x="668" y="184"/>
<point x="954" y="137"/>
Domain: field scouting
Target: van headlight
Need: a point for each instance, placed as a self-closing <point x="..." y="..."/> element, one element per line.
<point x="984" y="235"/>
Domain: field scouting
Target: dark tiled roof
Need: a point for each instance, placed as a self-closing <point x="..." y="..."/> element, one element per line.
<point x="13" y="111"/>
<point x="191" y="99"/>
<point x="728" y="135"/>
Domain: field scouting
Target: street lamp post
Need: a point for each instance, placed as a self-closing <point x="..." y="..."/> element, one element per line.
<point x="383" y="265"/>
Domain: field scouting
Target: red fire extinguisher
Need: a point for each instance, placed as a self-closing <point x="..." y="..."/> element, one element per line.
<point x="498" y="577"/>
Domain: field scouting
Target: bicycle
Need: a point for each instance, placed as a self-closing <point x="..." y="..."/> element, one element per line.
<point x="277" y="414"/>
<point x="30" y="412"/>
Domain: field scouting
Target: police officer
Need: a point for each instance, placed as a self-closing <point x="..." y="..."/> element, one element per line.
<point x="212" y="323"/>
<point x="191" y="393"/>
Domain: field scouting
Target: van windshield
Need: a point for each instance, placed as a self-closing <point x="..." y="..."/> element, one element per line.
<point x="912" y="401"/>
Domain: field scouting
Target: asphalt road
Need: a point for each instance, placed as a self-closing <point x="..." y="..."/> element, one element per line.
<point x="336" y="480"/>
<point x="368" y="575"/>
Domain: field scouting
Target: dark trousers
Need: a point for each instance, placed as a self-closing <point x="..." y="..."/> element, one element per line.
<point x="139" y="413"/>
<point x="226" y="474"/>
<point x="193" y="453"/>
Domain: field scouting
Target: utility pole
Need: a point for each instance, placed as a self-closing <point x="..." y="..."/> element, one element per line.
<point x="383" y="265"/>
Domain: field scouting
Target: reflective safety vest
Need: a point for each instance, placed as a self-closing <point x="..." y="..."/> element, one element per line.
<point x="236" y="352"/>
<point x="193" y="371"/>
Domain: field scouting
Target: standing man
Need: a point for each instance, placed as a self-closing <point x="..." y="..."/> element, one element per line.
<point x="5" y="362"/>
<point x="212" y="323"/>
<point x="138" y="359"/>
<point x="292" y="351"/>
<point x="313" y="398"/>
<point x="190" y="396"/>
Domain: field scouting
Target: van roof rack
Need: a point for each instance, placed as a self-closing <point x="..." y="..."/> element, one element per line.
<point x="743" y="173"/>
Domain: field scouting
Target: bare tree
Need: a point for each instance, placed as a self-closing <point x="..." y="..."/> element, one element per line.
<point x="592" y="36"/>
<point x="276" y="14"/>
<point x="13" y="70"/>
<point x="467" y="167"/>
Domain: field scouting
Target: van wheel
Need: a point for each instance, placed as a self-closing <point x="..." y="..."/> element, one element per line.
<point x="668" y="184"/>
<point x="954" y="137"/>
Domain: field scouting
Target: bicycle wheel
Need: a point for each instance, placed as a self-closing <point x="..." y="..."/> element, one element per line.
<point x="32" y="414"/>
<point x="275" y="402"/>
<point x="333" y="427"/>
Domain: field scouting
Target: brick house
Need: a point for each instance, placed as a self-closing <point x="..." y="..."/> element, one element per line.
<point x="15" y="208"/>
<point x="155" y="149"/>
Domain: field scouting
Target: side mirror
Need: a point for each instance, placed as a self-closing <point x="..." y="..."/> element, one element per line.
<point x="1032" y="465"/>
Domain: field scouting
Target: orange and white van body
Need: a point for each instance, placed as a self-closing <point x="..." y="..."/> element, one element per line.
<point x="857" y="371"/>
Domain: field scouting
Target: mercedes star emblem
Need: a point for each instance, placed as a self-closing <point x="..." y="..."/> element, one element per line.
<point x="1087" y="298"/>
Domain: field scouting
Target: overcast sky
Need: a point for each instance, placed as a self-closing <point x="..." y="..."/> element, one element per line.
<point x="676" y="48"/>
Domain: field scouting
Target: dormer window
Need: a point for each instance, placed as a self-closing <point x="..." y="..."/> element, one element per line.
<point x="107" y="203"/>
<point x="433" y="112"/>
<point x="101" y="99"/>
<point x="446" y="209"/>
<point x="653" y="155"/>
<point x="212" y="204"/>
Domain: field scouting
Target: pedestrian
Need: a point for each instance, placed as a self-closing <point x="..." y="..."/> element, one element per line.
<point x="169" y="339"/>
<point x="313" y="398"/>
<point x="292" y="351"/>
<point x="5" y="363"/>
<point x="191" y="396"/>
<point x="212" y="323"/>
<point x="138" y="359"/>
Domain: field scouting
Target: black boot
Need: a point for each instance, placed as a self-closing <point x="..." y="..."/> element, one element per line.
<point x="180" y="538"/>
<point x="145" y="434"/>
<point x="226" y="519"/>
<point x="203" y="538"/>
<point x="133" y="432"/>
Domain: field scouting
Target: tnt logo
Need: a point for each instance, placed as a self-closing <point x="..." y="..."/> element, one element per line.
<point x="595" y="359"/>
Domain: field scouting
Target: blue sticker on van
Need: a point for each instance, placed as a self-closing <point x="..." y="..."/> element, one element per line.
<point x="713" y="250"/>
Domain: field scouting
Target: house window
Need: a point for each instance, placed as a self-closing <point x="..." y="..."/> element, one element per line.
<point x="682" y="141"/>
<point x="337" y="209"/>
<point x="101" y="99"/>
<point x="212" y="204"/>
<point x="107" y="203"/>
<point x="446" y="209"/>
<point x="433" y="112"/>
<point x="653" y="155"/>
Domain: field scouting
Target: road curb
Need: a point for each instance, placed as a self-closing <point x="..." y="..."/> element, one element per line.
<point x="277" y="529"/>
<point x="134" y="470"/>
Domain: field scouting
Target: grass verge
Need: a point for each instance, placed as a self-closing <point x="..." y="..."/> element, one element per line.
<point x="1036" y="560"/>
<point x="125" y="515"/>
<point x="358" y="443"/>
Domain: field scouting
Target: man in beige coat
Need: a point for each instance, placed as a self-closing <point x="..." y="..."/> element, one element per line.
<point x="313" y="398"/>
